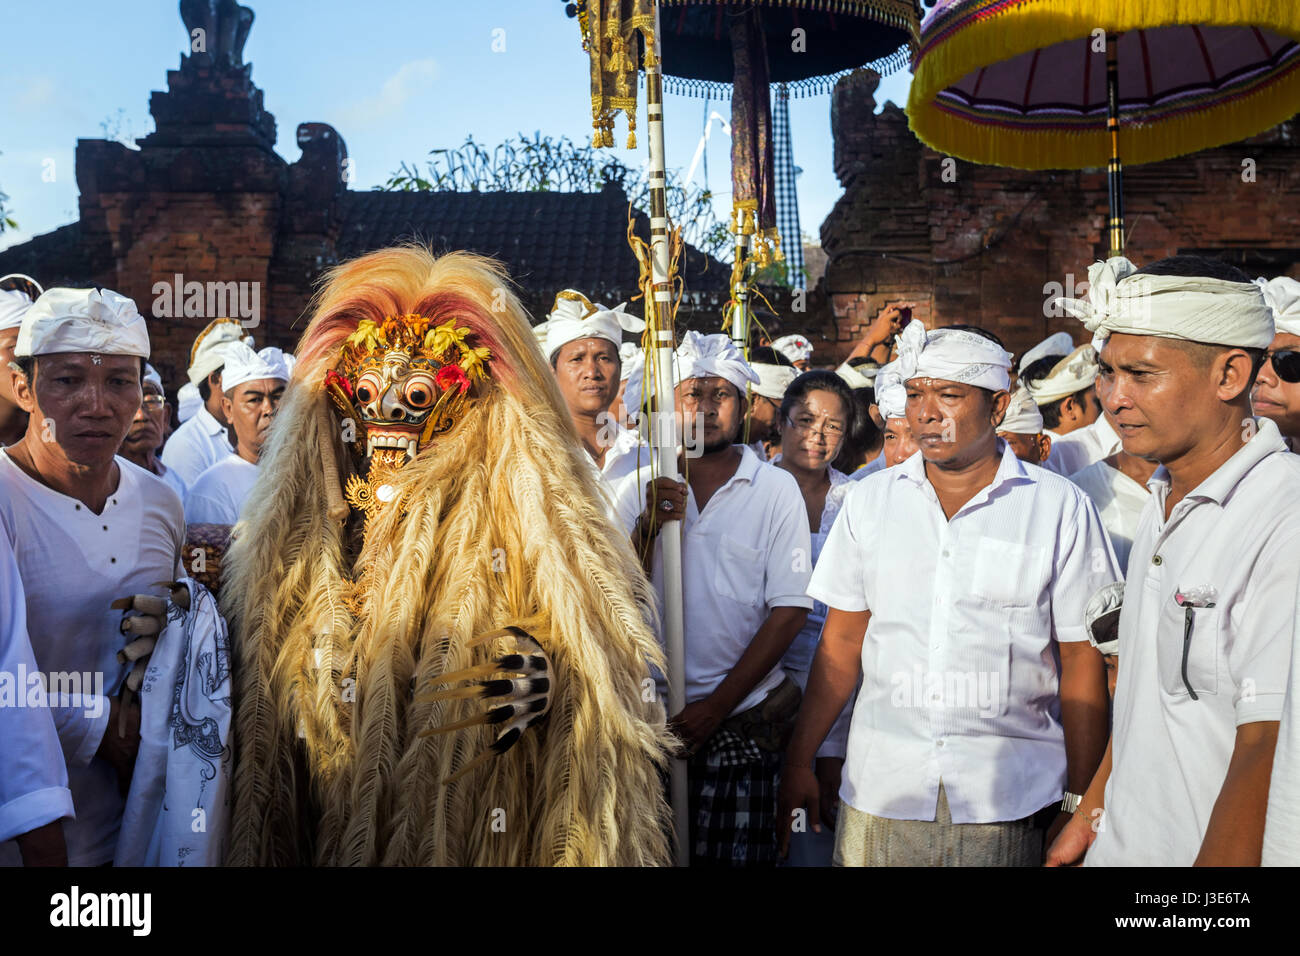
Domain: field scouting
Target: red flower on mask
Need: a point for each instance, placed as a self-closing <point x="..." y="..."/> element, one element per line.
<point x="334" y="378"/>
<point x="452" y="376"/>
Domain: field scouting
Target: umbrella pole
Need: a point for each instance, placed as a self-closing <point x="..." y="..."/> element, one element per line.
<point x="740" y="295"/>
<point x="663" y="426"/>
<point x="1114" y="169"/>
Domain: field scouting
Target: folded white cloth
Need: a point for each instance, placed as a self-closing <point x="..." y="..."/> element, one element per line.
<point x="209" y="350"/>
<point x="1058" y="344"/>
<point x="82" y="320"/>
<point x="1075" y="372"/>
<point x="14" y="304"/>
<point x="1283" y="297"/>
<point x="151" y="375"/>
<point x="178" y="808"/>
<point x="1195" y="309"/>
<point x="245" y="365"/>
<point x="951" y="355"/>
<point x="574" y="317"/>
<point x="891" y="396"/>
<point x="858" y="376"/>
<point x="188" y="401"/>
<point x="773" y="380"/>
<point x="1023" y="416"/>
<point x="698" y="356"/>
<point x="794" y="347"/>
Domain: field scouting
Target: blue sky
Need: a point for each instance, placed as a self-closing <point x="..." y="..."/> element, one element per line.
<point x="396" y="78"/>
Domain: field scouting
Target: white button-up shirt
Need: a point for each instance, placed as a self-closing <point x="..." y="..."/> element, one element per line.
<point x="1081" y="447"/>
<point x="1239" y="533"/>
<point x="748" y="552"/>
<point x="1282" y="827"/>
<point x="74" y="564"/>
<point x="219" y="494"/>
<point x="196" y="446"/>
<point x="33" y="780"/>
<point x="959" y="678"/>
<point x="1119" y="499"/>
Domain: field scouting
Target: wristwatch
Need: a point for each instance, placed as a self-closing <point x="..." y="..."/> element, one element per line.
<point x="1070" y="802"/>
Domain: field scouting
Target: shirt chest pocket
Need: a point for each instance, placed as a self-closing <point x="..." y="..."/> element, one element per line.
<point x="1009" y="574"/>
<point x="738" y="574"/>
<point x="1191" y="650"/>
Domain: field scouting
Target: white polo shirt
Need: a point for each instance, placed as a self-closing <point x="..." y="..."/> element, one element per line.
<point x="1119" y="499"/>
<point x="960" y="681"/>
<point x="74" y="564"/>
<point x="1282" y="826"/>
<point x="748" y="552"/>
<point x="196" y="446"/>
<point x="33" y="779"/>
<point x="1081" y="447"/>
<point x="1238" y="532"/>
<point x="218" y="495"/>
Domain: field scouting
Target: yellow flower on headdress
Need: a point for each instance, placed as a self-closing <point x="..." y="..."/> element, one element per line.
<point x="446" y="337"/>
<point x="473" y="360"/>
<point x="367" y="336"/>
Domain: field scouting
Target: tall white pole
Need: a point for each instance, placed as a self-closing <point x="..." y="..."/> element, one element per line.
<point x="663" y="425"/>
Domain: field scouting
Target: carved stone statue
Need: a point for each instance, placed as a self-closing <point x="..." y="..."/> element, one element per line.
<point x="225" y="25"/>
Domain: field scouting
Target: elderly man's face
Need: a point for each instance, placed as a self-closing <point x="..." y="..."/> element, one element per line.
<point x="587" y="373"/>
<point x="899" y="443"/>
<point x="82" y="404"/>
<point x="1275" y="398"/>
<point x="949" y="419"/>
<point x="250" y="408"/>
<point x="146" y="432"/>
<point x="709" y="413"/>
<point x="8" y="339"/>
<point x="1159" y="398"/>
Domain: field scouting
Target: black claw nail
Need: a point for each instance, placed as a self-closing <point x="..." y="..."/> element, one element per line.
<point x="497" y="688"/>
<point x="511" y="662"/>
<point x="539" y="685"/>
<point x="508" y="740"/>
<point x="537" y="705"/>
<point x="499" y="715"/>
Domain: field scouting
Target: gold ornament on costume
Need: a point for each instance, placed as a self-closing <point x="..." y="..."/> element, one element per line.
<point x="403" y="381"/>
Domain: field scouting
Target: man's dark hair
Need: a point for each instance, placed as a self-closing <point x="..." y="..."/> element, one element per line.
<point x="1194" y="267"/>
<point x="1036" y="371"/>
<point x="766" y="355"/>
<point x="205" y="390"/>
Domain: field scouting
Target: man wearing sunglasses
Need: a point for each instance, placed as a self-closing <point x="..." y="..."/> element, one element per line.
<point x="1277" y="389"/>
<point x="1205" y="632"/>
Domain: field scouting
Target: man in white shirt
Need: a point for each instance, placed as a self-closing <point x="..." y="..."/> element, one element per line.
<point x="1277" y="388"/>
<point x="203" y="440"/>
<point x="34" y="795"/>
<point x="582" y="344"/>
<point x="763" y="423"/>
<point x="141" y="444"/>
<point x="87" y="528"/>
<point x="1209" y="601"/>
<point x="898" y="442"/>
<point x="1022" y="428"/>
<point x="954" y="582"/>
<point x="1066" y="397"/>
<point x="17" y="292"/>
<point x="746" y="556"/>
<point x="255" y="383"/>
<point x="1117" y="485"/>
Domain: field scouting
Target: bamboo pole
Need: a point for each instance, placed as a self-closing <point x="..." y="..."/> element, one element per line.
<point x="1114" y="169"/>
<point x="663" y="425"/>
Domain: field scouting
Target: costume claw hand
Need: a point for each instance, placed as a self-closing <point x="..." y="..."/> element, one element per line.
<point x="143" y="619"/>
<point x="514" y="702"/>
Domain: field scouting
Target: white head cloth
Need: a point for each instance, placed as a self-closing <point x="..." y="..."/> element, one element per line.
<point x="794" y="347"/>
<point x="208" y="352"/>
<point x="574" y="317"/>
<point x="245" y="365"/>
<point x="1058" y="344"/>
<point x="952" y="355"/>
<point x="1192" y="308"/>
<point x="858" y="376"/>
<point x="539" y="330"/>
<point x="698" y="356"/>
<point x="632" y="357"/>
<point x="773" y="380"/>
<point x="151" y="375"/>
<point x="83" y="320"/>
<point x="290" y="360"/>
<point x="14" y="304"/>
<point x="1283" y="297"/>
<point x="891" y="395"/>
<point x="1023" y="416"/>
<point x="188" y="401"/>
<point x="1075" y="372"/>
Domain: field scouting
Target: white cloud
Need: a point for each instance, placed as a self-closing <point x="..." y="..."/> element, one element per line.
<point x="411" y="80"/>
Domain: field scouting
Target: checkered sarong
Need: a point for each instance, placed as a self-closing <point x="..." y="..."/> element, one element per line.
<point x="733" y="802"/>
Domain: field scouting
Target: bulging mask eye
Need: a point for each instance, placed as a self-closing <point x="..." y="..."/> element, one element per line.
<point x="368" y="388"/>
<point x="419" y="391"/>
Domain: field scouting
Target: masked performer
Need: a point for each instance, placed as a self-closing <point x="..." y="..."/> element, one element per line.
<point x="453" y="666"/>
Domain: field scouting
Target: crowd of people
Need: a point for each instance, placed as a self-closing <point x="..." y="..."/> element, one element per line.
<point x="942" y="606"/>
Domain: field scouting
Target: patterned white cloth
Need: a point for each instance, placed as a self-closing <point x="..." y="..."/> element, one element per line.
<point x="573" y="317"/>
<point x="951" y="355"/>
<point x="208" y="353"/>
<point x="244" y="365"/>
<point x="178" y="808"/>
<point x="1023" y="416"/>
<point x="795" y="347"/>
<point x="82" y="320"/>
<point x="1072" y="374"/>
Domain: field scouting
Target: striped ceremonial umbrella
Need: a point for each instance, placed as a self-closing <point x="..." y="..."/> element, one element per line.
<point x="1072" y="84"/>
